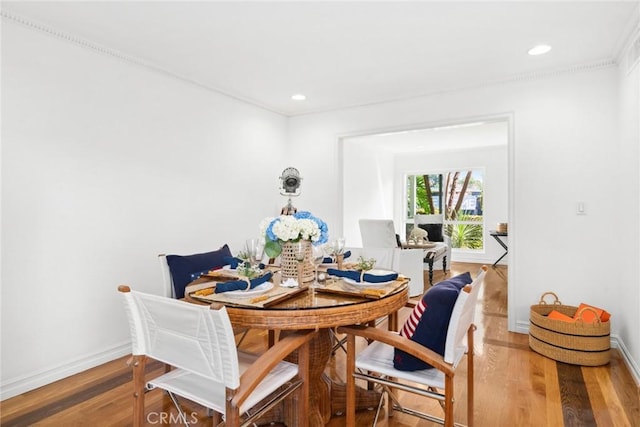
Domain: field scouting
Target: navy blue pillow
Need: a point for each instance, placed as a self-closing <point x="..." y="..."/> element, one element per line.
<point x="182" y="267"/>
<point x="428" y="322"/>
<point x="434" y="232"/>
<point x="460" y="281"/>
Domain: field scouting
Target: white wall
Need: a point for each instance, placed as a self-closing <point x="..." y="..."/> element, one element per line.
<point x="627" y="202"/>
<point x="368" y="188"/>
<point x="105" y="165"/>
<point x="565" y="150"/>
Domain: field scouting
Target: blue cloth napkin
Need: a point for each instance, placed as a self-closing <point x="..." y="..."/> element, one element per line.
<point x="233" y="262"/>
<point x="236" y="285"/>
<point x="355" y="275"/>
<point x="331" y="260"/>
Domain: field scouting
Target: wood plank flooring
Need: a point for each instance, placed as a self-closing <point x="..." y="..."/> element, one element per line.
<point x="514" y="385"/>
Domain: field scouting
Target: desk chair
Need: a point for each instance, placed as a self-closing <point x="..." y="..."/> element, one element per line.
<point x="375" y="363"/>
<point x="198" y="342"/>
<point x="434" y="226"/>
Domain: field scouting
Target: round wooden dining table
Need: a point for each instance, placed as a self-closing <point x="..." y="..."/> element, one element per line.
<point x="315" y="309"/>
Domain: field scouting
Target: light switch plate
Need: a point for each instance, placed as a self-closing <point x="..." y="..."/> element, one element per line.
<point x="581" y="208"/>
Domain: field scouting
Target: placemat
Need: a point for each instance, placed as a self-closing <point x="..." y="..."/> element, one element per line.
<point x="268" y="299"/>
<point x="338" y="286"/>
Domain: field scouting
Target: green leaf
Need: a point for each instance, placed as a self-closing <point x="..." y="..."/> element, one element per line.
<point x="272" y="249"/>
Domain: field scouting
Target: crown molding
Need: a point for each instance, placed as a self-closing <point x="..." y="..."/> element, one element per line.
<point x="630" y="32"/>
<point x="95" y="47"/>
<point x="538" y="75"/>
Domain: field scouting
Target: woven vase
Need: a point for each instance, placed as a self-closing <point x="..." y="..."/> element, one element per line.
<point x="289" y="263"/>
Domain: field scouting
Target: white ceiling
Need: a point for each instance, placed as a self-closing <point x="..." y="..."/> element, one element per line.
<point x="342" y="54"/>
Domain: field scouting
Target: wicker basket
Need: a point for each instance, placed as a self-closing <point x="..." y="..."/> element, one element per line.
<point x="577" y="343"/>
<point x="289" y="263"/>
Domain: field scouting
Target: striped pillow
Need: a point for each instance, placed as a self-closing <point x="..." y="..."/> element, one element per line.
<point x="428" y="322"/>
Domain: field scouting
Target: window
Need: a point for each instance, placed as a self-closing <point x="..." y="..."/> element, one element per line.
<point x="458" y="195"/>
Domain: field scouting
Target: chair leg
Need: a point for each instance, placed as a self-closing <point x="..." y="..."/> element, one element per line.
<point x="232" y="413"/>
<point x="375" y="420"/>
<point x="338" y="342"/>
<point x="139" y="363"/>
<point x="244" y="335"/>
<point x="394" y="403"/>
<point x="181" y="413"/>
<point x="448" y="401"/>
<point x="273" y="337"/>
<point x="216" y="418"/>
<point x="351" y="381"/>
<point x="470" y="375"/>
<point x="393" y="321"/>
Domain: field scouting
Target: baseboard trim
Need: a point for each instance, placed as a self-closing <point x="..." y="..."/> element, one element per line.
<point x="522" y="327"/>
<point x="468" y="258"/>
<point x="22" y="384"/>
<point x="633" y="367"/>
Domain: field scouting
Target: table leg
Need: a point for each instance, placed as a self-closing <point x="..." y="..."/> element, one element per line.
<point x="499" y="259"/>
<point x="504" y="246"/>
<point x="327" y="396"/>
<point x="319" y="388"/>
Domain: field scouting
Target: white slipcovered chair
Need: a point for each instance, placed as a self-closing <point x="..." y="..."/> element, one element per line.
<point x="198" y="342"/>
<point x="375" y="363"/>
<point x="379" y="237"/>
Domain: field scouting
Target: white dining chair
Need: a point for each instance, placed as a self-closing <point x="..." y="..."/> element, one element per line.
<point x="198" y="342"/>
<point x="375" y="364"/>
<point x="167" y="281"/>
<point x="168" y="290"/>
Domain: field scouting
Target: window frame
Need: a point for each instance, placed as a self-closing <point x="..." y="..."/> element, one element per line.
<point x="410" y="206"/>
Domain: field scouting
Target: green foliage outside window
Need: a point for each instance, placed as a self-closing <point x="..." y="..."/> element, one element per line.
<point x="461" y="194"/>
<point x="422" y="205"/>
<point x="464" y="235"/>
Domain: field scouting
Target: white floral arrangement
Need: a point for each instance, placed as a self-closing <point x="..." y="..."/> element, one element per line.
<point x="245" y="269"/>
<point x="292" y="228"/>
<point x="365" y="264"/>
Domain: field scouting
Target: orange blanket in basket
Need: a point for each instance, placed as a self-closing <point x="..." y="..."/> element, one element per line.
<point x="556" y="315"/>
<point x="588" y="316"/>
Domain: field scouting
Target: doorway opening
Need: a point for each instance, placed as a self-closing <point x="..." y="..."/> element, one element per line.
<point x="376" y="167"/>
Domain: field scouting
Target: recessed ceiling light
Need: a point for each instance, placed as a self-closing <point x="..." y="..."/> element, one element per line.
<point x="298" y="97"/>
<point x="540" y="49"/>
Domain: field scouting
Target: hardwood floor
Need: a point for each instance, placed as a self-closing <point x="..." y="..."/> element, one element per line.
<point x="514" y="385"/>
